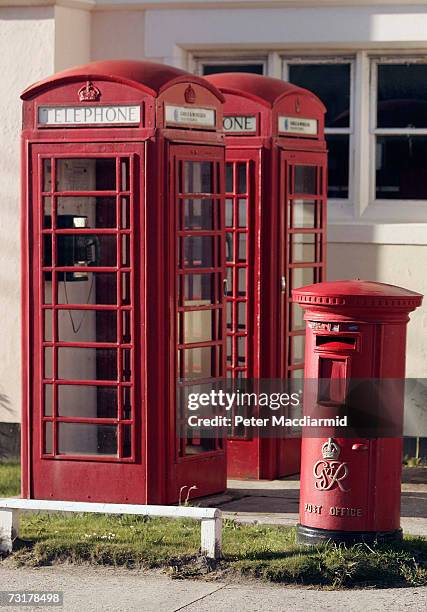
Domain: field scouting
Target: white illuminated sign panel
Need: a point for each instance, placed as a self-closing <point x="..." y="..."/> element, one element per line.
<point x="184" y="115"/>
<point x="239" y="124"/>
<point x="297" y="125"/>
<point x="89" y="115"/>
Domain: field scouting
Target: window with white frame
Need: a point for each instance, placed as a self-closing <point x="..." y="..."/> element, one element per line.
<point x="399" y="128"/>
<point x="331" y="79"/>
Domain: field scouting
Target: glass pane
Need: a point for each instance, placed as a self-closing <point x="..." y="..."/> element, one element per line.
<point x="87" y="439"/>
<point x="302" y="213"/>
<point x="125" y="256"/>
<point x="199" y="289"/>
<point x="87" y="363"/>
<point x="331" y="83"/>
<point x="87" y="326"/>
<point x="47" y="287"/>
<point x="126" y="440"/>
<point x="199" y="326"/>
<point x="126" y="402"/>
<point x="297" y="317"/>
<point x="241" y="178"/>
<point x="228" y="212"/>
<point x="90" y="212"/>
<point x="402" y="95"/>
<point x="126" y="327"/>
<point x="243" y="222"/>
<point x="87" y="401"/>
<point x="198" y="177"/>
<point x="303" y="248"/>
<point x="88" y="288"/>
<point x="214" y="68"/>
<point x="229" y="315"/>
<point x="242" y="282"/>
<point x="47" y="175"/>
<point x="48" y="325"/>
<point x="125" y="174"/>
<point x="229" y="253"/>
<point x="229" y="177"/>
<point x="305" y="179"/>
<point x="86" y="250"/>
<point x="47" y="213"/>
<point x="230" y="273"/>
<point x="298" y="346"/>
<point x="241" y="315"/>
<point x="338" y="165"/>
<point x="198" y="251"/>
<point x="48" y="438"/>
<point x="241" y="246"/>
<point x="86" y="174"/>
<point x="229" y="346"/>
<point x="241" y="351"/>
<point x="401" y="167"/>
<point x="301" y="277"/>
<point x="124" y="213"/>
<point x="48" y="362"/>
<point x="297" y="374"/>
<point x="198" y="214"/>
<point x="198" y="362"/>
<point x="48" y="400"/>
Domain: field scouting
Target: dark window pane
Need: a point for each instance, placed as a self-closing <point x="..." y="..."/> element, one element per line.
<point x="229" y="177"/>
<point x="401" y="167"/>
<point x="214" y="68"/>
<point x="87" y="363"/>
<point x="88" y="288"/>
<point x="305" y="179"/>
<point x="402" y="95"/>
<point x="90" y="212"/>
<point x="338" y="165"/>
<point x="199" y="289"/>
<point x="331" y="83"/>
<point x="86" y="174"/>
<point x="198" y="252"/>
<point x="198" y="177"/>
<point x="198" y="362"/>
<point x="198" y="214"/>
<point x="86" y="249"/>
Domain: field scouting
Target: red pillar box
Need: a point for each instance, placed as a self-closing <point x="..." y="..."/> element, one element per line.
<point x="275" y="229"/>
<point x="123" y="265"/>
<point x="350" y="487"/>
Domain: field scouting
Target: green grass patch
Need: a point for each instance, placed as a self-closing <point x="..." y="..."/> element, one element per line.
<point x="250" y="551"/>
<point x="10" y="479"/>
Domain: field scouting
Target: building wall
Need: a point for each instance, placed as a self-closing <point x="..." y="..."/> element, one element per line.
<point x="27" y="39"/>
<point x="128" y="39"/>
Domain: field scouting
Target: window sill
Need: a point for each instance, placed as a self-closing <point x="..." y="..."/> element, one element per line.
<point x="377" y="232"/>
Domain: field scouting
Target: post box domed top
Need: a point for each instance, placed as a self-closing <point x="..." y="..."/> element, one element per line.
<point x="150" y="77"/>
<point x="356" y="293"/>
<point x="266" y="90"/>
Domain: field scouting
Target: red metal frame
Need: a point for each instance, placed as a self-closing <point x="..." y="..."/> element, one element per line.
<point x="273" y="157"/>
<point x="145" y="469"/>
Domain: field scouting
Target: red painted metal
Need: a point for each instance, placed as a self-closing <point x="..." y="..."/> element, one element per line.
<point x="270" y="160"/>
<point x="103" y="324"/>
<point x="374" y="317"/>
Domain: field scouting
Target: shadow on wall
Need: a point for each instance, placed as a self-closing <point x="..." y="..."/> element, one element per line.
<point x="9" y="432"/>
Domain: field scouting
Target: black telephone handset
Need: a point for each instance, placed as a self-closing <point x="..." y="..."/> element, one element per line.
<point x="80" y="250"/>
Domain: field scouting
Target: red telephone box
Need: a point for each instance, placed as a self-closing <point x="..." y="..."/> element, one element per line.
<point x="123" y="267"/>
<point x="275" y="228"/>
<point x="350" y="487"/>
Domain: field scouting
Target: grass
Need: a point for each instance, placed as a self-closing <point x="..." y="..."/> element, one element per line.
<point x="10" y="474"/>
<point x="250" y="551"/>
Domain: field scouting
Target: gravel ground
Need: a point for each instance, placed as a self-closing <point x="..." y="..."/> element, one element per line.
<point x="116" y="590"/>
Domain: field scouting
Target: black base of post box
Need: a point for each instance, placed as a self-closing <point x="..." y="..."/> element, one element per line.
<point x="312" y="535"/>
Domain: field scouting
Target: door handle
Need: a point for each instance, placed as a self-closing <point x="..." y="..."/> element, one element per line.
<point x="283" y="284"/>
<point x="225" y="287"/>
<point x="360" y="447"/>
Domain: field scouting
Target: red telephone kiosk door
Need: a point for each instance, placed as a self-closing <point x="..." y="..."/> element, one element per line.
<point x="197" y="458"/>
<point x="84" y="212"/>
<point x="302" y="260"/>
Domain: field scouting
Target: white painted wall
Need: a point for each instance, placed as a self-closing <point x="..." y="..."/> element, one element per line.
<point x="396" y="264"/>
<point x="27" y="39"/>
<point x="117" y="35"/>
<point x="72" y="37"/>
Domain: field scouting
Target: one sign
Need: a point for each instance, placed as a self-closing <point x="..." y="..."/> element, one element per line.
<point x="89" y="115"/>
<point x="297" y="125"/>
<point x="184" y="115"/>
<point x="239" y="124"/>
